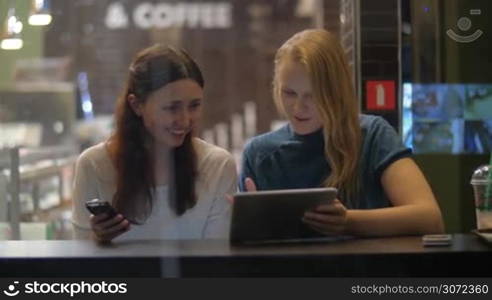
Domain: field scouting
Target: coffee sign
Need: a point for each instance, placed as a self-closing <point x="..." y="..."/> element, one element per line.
<point x="146" y="15"/>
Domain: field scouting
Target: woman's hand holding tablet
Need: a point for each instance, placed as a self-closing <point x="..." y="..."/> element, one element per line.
<point x="328" y="218"/>
<point x="279" y="215"/>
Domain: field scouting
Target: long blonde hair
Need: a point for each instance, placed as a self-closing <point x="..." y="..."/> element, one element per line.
<point x="321" y="54"/>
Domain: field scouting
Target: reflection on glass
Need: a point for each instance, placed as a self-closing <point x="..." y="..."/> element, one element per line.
<point x="431" y="136"/>
<point x="60" y="94"/>
<point x="478" y="102"/>
<point x="478" y="136"/>
<point x="447" y="118"/>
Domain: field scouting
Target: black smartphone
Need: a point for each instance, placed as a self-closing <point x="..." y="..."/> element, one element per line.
<point x="96" y="207"/>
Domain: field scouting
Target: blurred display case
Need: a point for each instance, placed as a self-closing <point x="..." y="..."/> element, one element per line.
<point x="35" y="189"/>
<point x="37" y="114"/>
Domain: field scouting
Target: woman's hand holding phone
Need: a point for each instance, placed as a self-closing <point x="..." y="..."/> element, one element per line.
<point x="105" y="222"/>
<point x="105" y="228"/>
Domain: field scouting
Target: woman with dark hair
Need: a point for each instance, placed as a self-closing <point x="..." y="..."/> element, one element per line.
<point x="163" y="182"/>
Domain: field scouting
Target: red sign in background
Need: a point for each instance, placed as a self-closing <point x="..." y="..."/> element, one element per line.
<point x="380" y="95"/>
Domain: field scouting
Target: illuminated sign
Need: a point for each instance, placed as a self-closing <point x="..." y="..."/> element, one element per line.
<point x="380" y="95"/>
<point x="146" y="15"/>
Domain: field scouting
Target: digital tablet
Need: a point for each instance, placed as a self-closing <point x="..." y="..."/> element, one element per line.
<point x="276" y="216"/>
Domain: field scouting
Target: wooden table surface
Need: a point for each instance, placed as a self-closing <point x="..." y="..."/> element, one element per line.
<point x="380" y="257"/>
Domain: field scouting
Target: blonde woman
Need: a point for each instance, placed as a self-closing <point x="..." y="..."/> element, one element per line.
<point x="327" y="142"/>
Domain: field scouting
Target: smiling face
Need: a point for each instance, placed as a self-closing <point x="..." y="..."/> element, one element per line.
<point x="296" y="96"/>
<point x="171" y="112"/>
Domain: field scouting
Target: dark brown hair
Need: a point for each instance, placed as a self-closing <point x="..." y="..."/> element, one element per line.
<point x="151" y="69"/>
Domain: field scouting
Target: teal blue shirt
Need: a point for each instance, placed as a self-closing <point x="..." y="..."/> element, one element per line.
<point x="282" y="159"/>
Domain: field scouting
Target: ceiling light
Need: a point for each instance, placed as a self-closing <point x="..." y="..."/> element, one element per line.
<point x="11" y="38"/>
<point x="40" y="13"/>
